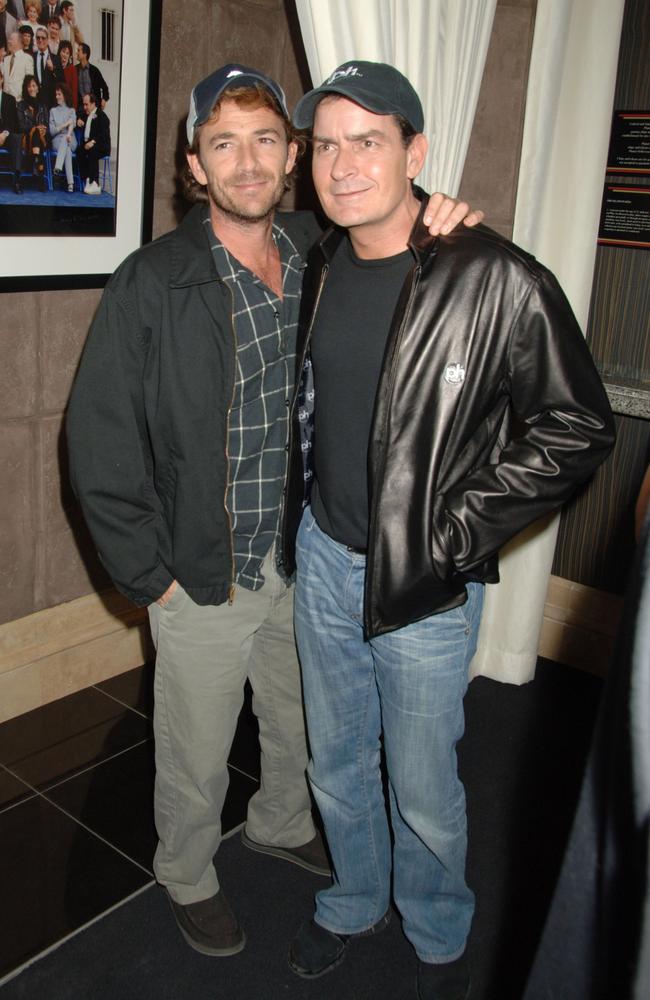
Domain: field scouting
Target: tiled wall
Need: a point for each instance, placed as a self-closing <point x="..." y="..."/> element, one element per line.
<point x="255" y="32"/>
<point x="42" y="335"/>
<point x="45" y="554"/>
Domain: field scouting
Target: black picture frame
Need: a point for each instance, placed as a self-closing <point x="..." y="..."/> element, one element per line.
<point x="88" y="261"/>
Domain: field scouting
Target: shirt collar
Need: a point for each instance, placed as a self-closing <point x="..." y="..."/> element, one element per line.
<point x="229" y="268"/>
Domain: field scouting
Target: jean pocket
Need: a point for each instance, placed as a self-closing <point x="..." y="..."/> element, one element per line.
<point x="308" y="520"/>
<point x="177" y="597"/>
<point x="473" y="606"/>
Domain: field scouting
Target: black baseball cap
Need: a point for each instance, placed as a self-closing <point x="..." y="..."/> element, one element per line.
<point x="375" y="86"/>
<point x="206" y="93"/>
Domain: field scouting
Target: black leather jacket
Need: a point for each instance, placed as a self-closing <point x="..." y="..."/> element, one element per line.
<point x="489" y="412"/>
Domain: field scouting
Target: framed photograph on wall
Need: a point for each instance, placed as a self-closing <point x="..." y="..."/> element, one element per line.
<point x="82" y="202"/>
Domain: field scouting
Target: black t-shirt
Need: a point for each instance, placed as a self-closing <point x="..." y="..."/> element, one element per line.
<point x="348" y="343"/>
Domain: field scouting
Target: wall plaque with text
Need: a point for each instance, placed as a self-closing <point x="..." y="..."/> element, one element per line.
<point x="629" y="144"/>
<point x="625" y="217"/>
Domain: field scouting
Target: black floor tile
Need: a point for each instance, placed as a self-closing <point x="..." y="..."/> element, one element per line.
<point x="12" y="790"/>
<point x="115" y="799"/>
<point x="59" y="739"/>
<point x="54" y="877"/>
<point x="133" y="688"/>
<point x="239" y="792"/>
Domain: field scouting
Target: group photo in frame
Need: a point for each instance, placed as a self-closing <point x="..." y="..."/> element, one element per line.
<point x="81" y="199"/>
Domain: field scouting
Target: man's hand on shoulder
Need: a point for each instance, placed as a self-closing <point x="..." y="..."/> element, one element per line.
<point x="444" y="213"/>
<point x="164" y="598"/>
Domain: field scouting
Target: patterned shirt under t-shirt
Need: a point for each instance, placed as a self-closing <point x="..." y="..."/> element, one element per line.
<point x="265" y="331"/>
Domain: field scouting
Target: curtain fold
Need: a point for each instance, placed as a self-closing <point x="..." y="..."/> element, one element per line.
<point x="440" y="45"/>
<point x="561" y="175"/>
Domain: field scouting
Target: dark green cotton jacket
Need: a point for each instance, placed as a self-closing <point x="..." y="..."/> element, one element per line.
<point x="147" y="423"/>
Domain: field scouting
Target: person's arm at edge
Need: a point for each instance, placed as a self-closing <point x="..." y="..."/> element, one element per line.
<point x="443" y="214"/>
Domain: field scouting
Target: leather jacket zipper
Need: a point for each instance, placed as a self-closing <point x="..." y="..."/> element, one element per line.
<point x="372" y="520"/>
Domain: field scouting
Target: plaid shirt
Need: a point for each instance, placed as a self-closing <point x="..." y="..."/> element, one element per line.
<point x="265" y="331"/>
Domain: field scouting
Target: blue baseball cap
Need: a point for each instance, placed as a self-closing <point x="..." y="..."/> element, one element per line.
<point x="206" y="93"/>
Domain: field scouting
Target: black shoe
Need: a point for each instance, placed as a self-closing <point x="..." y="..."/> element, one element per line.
<point x="18" y="188"/>
<point x="446" y="981"/>
<point x="210" y="926"/>
<point x="316" y="951"/>
<point x="312" y="856"/>
<point x="57" y="172"/>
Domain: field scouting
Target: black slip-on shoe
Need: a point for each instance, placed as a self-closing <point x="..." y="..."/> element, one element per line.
<point x="446" y="981"/>
<point x="316" y="951"/>
<point x="311" y="856"/>
<point x="210" y="926"/>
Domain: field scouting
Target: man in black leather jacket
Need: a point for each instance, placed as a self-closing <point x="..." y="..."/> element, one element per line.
<point x="447" y="399"/>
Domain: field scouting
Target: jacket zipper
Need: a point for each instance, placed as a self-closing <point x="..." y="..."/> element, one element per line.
<point x="372" y="523"/>
<point x="231" y="588"/>
<point x="300" y="367"/>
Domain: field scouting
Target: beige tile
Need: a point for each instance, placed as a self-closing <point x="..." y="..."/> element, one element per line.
<point x="63" y="626"/>
<point x="18" y="349"/>
<point x="64" y="319"/>
<point x="20" y="691"/>
<point x="588" y="607"/>
<point x="59" y="505"/>
<point x="576" y="647"/>
<point x="43" y="681"/>
<point x="70" y="567"/>
<point x="81" y="666"/>
<point x="17" y="523"/>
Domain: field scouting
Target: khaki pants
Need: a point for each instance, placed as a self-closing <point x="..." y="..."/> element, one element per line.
<point x="204" y="655"/>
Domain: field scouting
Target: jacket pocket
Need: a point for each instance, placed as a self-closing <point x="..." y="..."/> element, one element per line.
<point x="441" y="556"/>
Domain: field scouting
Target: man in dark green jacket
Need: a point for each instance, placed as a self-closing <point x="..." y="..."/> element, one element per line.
<point x="177" y="432"/>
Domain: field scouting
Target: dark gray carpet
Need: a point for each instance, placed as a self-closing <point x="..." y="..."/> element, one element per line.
<point x="522" y="761"/>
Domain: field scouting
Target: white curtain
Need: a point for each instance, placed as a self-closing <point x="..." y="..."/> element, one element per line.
<point x="440" y="45"/>
<point x="562" y="171"/>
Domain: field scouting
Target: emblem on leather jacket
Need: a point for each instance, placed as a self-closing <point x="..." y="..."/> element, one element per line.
<point x="454" y="374"/>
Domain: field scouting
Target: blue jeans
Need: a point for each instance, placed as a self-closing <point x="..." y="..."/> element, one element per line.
<point x="408" y="684"/>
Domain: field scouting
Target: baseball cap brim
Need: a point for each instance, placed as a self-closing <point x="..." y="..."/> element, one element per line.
<point x="378" y="87"/>
<point x="305" y="110"/>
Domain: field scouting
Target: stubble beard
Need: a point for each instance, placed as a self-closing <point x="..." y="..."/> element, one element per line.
<point x="229" y="206"/>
